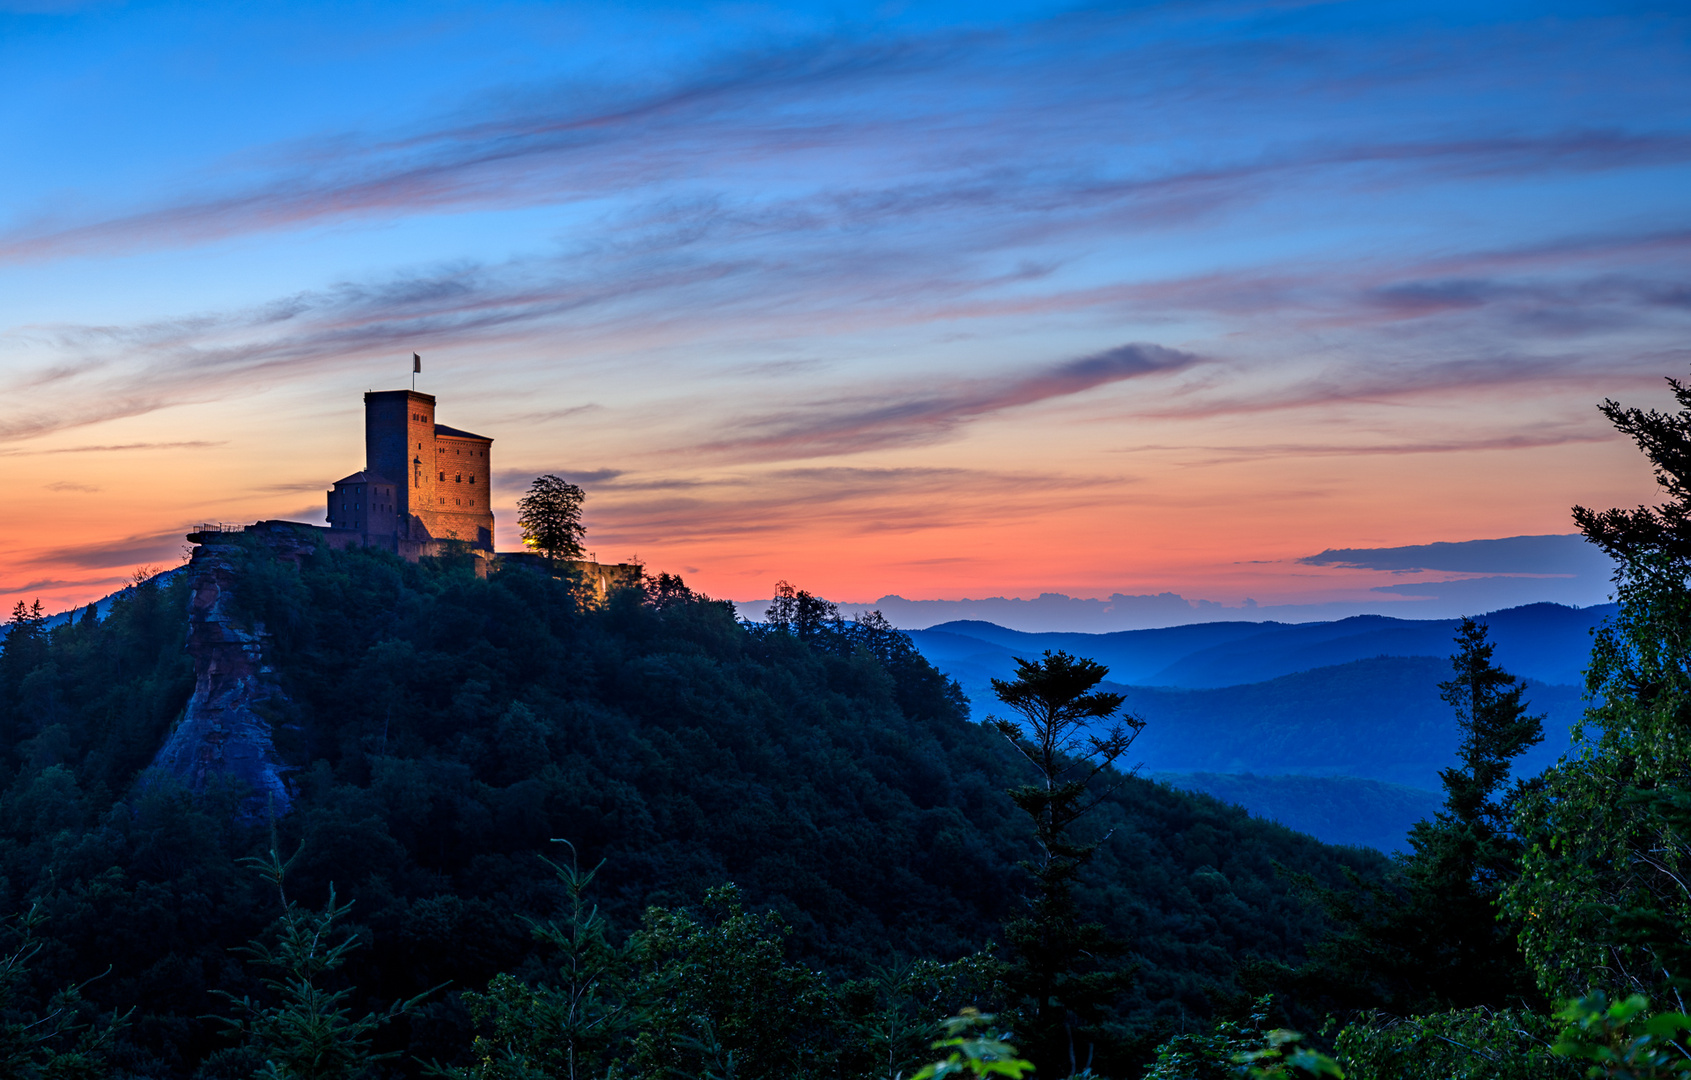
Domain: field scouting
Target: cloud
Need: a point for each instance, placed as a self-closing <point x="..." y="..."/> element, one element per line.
<point x="43" y="584"/>
<point x="1540" y="436"/>
<point x="912" y="415"/>
<point x="836" y="500"/>
<point x="197" y="444"/>
<point x="520" y="479"/>
<point x="66" y="485"/>
<point x="1483" y="594"/>
<point x="955" y="179"/>
<point x="956" y="109"/>
<point x="162" y="547"/>
<point x="1559" y="554"/>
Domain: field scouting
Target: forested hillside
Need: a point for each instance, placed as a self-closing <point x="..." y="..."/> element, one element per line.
<point x="1339" y="809"/>
<point x="443" y="729"/>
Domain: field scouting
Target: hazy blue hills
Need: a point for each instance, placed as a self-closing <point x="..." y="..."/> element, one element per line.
<point x="1338" y="809"/>
<point x="1547" y="642"/>
<point x="1335" y="729"/>
<point x="1380" y="719"/>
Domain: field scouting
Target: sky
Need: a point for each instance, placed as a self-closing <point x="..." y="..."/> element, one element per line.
<point x="927" y="301"/>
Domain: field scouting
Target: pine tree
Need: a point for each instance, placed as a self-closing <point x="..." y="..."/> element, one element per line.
<point x="1061" y="975"/>
<point x="1467" y="855"/>
<point x="309" y="1033"/>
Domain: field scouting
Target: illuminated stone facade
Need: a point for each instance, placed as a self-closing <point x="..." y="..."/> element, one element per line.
<point x="422" y="482"/>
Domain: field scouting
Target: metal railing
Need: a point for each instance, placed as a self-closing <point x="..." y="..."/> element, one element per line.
<point x="218" y="527"/>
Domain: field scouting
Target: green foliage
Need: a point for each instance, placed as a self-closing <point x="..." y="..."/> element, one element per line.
<point x="1234" y="1050"/>
<point x="571" y="1027"/>
<point x="973" y="1051"/>
<point x="55" y="1039"/>
<point x="309" y="1032"/>
<point x="1464" y="1044"/>
<point x="889" y="1017"/>
<point x="717" y="989"/>
<point x="550" y="518"/>
<point x="701" y="994"/>
<point x="1283" y="1056"/>
<point x="1213" y="1055"/>
<point x="1623" y="1041"/>
<point x="1602" y="895"/>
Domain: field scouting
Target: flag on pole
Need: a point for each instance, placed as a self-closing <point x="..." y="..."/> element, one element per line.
<point x="416" y="363"/>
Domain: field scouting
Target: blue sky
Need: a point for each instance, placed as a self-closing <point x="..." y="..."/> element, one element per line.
<point x="941" y="300"/>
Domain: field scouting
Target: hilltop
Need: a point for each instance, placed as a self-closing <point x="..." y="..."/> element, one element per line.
<point x="435" y="730"/>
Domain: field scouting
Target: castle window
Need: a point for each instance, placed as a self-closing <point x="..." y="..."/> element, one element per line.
<point x="458" y="479"/>
<point x="472" y="478"/>
<point x="443" y="474"/>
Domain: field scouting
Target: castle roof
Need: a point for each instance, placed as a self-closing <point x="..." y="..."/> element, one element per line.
<point x="452" y="432"/>
<point x="363" y="476"/>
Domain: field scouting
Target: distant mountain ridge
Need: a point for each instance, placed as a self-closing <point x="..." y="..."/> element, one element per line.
<point x="1378" y="719"/>
<point x="1547" y="642"/>
<point x="1276" y="707"/>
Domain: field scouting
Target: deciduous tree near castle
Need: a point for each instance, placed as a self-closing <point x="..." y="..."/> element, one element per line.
<point x="550" y="516"/>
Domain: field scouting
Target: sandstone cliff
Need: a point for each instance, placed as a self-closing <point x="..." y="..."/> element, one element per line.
<point x="222" y="735"/>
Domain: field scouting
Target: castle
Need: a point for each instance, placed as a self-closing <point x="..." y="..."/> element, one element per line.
<point x="422" y="482"/>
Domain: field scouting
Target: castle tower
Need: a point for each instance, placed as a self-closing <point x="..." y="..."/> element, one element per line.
<point x="440" y="476"/>
<point x="399" y="444"/>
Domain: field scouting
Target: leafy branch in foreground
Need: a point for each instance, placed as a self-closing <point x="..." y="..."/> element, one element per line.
<point x="975" y="1051"/>
<point x="568" y="1030"/>
<point x="33" y="1041"/>
<point x="1622" y="1040"/>
<point x="310" y="1034"/>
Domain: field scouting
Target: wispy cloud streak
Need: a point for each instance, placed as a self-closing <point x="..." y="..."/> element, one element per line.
<point x="911" y="415"/>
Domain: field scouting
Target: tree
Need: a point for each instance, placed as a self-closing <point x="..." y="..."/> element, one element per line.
<point x="722" y="1000"/>
<point x="310" y="1034"/>
<point x="1057" y="974"/>
<point x="56" y="1039"/>
<point x="1662" y="533"/>
<point x="550" y="516"/>
<point x="799" y="613"/>
<point x="1434" y="937"/>
<point x="569" y="1030"/>
<point x="1603" y="898"/>
<point x="1462" y="952"/>
<point x="1496" y="729"/>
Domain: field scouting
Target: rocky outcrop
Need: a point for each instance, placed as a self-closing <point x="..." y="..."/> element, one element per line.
<point x="222" y="735"/>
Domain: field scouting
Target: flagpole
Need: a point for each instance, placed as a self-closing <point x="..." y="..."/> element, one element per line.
<point x="416" y="366"/>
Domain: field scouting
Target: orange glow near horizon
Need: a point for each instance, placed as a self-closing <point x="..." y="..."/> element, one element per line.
<point x="940" y="302"/>
<point x="1016" y="506"/>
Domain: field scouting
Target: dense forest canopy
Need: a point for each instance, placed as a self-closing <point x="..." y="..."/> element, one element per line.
<point x="443" y="729"/>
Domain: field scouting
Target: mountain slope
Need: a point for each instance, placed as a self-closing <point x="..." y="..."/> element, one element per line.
<point x="1338" y="809"/>
<point x="1547" y="642"/>
<point x="439" y="730"/>
<point x="1378" y="719"/>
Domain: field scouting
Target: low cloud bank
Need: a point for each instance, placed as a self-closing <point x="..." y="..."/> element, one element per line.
<point x="1498" y="573"/>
